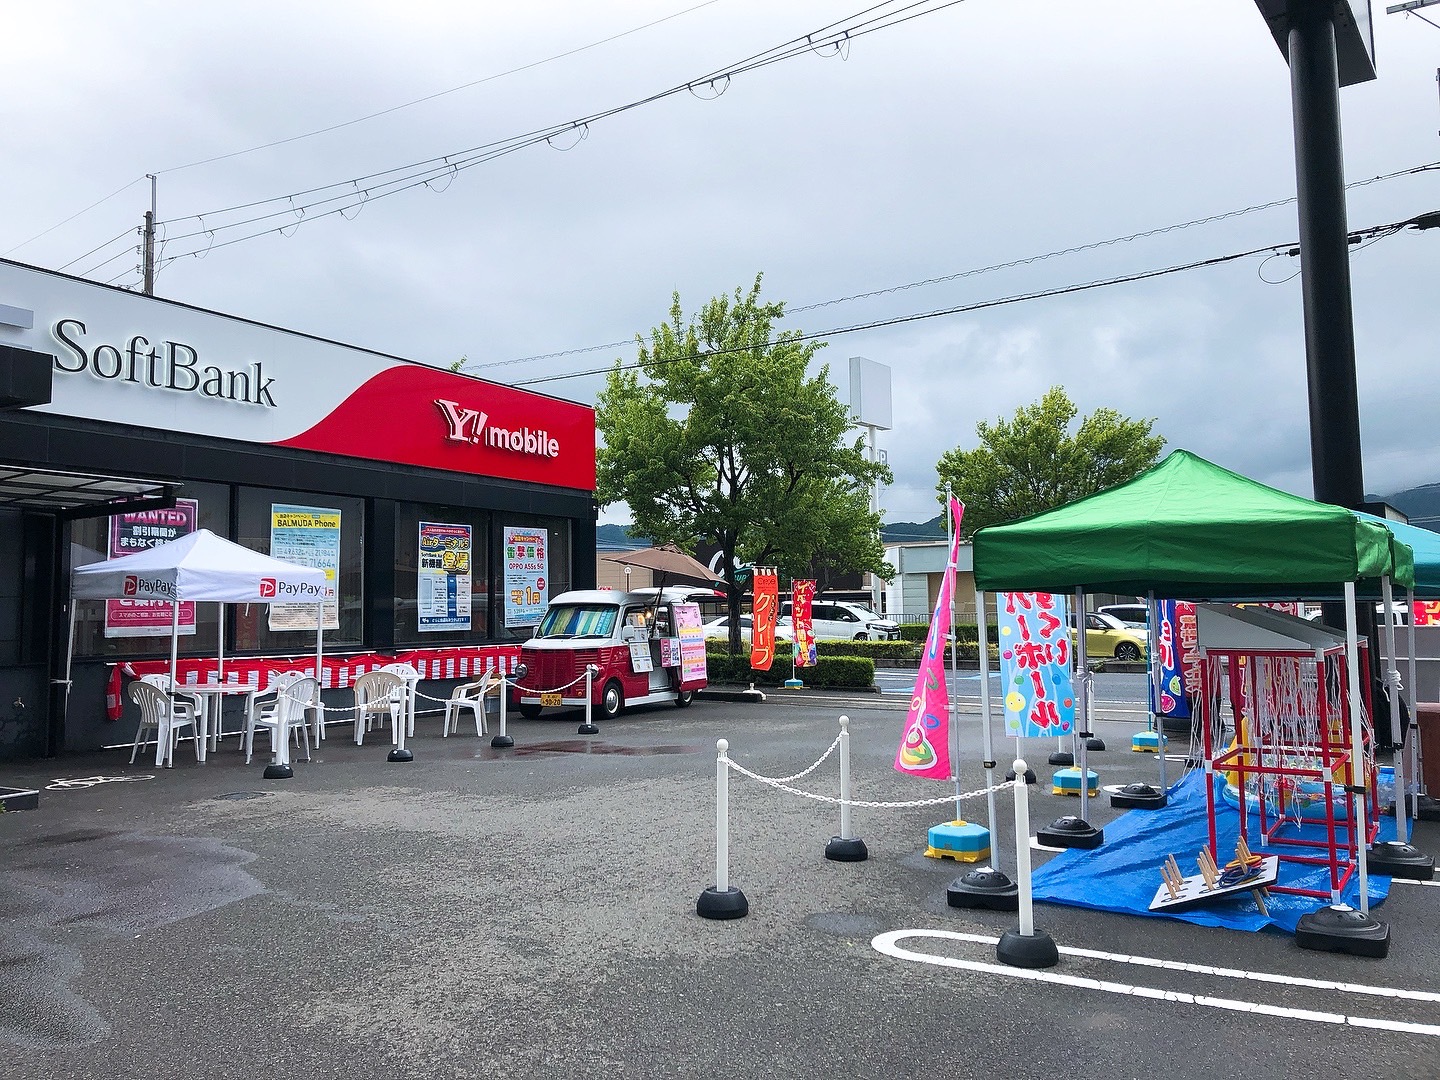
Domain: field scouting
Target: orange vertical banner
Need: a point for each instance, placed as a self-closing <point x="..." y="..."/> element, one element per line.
<point x="766" y="612"/>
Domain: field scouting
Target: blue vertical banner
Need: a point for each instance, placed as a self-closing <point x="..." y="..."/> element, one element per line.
<point x="1035" y="665"/>
<point x="1173" y="651"/>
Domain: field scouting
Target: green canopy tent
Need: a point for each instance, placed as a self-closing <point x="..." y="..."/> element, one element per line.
<point x="1188" y="529"/>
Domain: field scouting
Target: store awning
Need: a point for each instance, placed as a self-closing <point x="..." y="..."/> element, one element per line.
<point x="80" y="495"/>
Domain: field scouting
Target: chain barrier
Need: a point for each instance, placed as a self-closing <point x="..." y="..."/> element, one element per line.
<point x="781" y="785"/>
<point x="527" y="690"/>
<point x="806" y="772"/>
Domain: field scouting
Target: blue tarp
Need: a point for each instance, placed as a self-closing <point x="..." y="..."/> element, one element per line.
<point x="1123" y="873"/>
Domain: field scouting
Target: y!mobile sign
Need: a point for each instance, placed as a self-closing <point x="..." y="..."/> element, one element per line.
<point x="119" y="357"/>
<point x="142" y="613"/>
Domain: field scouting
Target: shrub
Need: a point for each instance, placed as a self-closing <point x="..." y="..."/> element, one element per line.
<point x="837" y="672"/>
<point x="968" y="633"/>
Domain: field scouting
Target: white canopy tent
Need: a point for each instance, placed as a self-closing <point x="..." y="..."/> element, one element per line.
<point x="199" y="567"/>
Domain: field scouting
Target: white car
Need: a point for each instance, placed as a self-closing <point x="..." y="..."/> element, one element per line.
<point x="841" y="619"/>
<point x="719" y="630"/>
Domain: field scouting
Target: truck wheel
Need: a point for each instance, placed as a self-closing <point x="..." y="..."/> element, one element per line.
<point x="530" y="712"/>
<point x="612" y="700"/>
<point x="684" y="698"/>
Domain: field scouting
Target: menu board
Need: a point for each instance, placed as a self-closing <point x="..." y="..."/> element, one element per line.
<point x="690" y="628"/>
<point x="443" y="582"/>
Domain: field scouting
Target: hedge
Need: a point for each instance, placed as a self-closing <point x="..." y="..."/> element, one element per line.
<point x="876" y="650"/>
<point x="837" y="672"/>
<point x="968" y="633"/>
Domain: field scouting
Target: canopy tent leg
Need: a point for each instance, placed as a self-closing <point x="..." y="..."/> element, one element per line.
<point x="163" y="755"/>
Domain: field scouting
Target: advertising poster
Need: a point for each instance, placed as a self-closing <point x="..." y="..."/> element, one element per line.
<point x="130" y="533"/>
<point x="443" y="585"/>
<point x="1035" y="665"/>
<point x="690" y="629"/>
<point x="306" y="536"/>
<point x="527" y="572"/>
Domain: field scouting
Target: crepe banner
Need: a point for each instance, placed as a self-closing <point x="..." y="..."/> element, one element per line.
<point x="1035" y="665"/>
<point x="1176" y="656"/>
<point x="925" y="746"/>
<point x="766" y="614"/>
<point x="802" y="594"/>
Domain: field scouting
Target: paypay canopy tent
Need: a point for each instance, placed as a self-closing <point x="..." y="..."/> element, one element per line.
<point x="198" y="567"/>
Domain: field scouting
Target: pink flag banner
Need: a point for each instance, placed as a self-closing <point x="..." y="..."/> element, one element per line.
<point x="1035" y="665"/>
<point x="925" y="746"/>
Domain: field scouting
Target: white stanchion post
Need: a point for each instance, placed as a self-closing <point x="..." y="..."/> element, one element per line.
<point x="588" y="727"/>
<point x="846" y="847"/>
<point x="1025" y="946"/>
<point x="1359" y="823"/>
<point x="1413" y="735"/>
<point x="721" y="901"/>
<point x="503" y="740"/>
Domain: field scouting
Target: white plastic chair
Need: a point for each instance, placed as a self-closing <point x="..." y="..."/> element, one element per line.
<point x="471" y="696"/>
<point x="262" y="705"/>
<point x="410" y="678"/>
<point x="155" y="712"/>
<point x="287" y="718"/>
<point x="378" y="694"/>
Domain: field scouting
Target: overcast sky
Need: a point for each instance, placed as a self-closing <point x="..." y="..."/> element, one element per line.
<point x="987" y="132"/>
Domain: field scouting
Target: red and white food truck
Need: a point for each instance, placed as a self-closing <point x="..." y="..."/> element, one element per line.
<point x="647" y="649"/>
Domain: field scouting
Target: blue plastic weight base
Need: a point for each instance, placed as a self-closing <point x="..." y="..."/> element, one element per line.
<point x="846" y="849"/>
<point x="722" y="904"/>
<point x="1343" y="929"/>
<point x="1036" y="951"/>
<point x="400" y="755"/>
<point x="794" y="684"/>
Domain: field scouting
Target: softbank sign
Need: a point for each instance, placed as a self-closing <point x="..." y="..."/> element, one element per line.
<point x="473" y="426"/>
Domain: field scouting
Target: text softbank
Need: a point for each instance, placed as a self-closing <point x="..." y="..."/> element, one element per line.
<point x="168" y="365"/>
<point x="473" y="426"/>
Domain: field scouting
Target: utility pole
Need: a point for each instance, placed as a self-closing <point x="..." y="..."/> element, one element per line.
<point x="148" y="261"/>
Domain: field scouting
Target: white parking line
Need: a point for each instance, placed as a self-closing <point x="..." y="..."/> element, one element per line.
<point x="887" y="944"/>
<point x="1412" y="881"/>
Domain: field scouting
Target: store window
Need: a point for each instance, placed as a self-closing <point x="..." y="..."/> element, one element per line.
<point x="533" y="563"/>
<point x="442" y="576"/>
<point x="141" y="628"/>
<point x="313" y="530"/>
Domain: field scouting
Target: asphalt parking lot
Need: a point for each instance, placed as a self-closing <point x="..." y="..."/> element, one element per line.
<point x="531" y="913"/>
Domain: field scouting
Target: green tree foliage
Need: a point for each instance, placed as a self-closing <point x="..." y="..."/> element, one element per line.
<point x="1032" y="463"/>
<point x="717" y="433"/>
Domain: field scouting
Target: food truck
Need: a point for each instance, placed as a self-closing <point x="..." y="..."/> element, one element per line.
<point x="646" y="648"/>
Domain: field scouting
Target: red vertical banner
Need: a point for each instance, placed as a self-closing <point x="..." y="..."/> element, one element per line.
<point x="802" y="594"/>
<point x="766" y="613"/>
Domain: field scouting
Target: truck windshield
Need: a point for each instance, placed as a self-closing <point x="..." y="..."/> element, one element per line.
<point x="578" y="620"/>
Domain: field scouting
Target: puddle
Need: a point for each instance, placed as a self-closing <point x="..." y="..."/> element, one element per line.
<point x="584" y="746"/>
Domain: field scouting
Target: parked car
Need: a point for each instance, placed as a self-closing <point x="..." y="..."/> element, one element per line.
<point x="719" y="629"/>
<point x="1134" y="615"/>
<point x="1107" y="636"/>
<point x="841" y="619"/>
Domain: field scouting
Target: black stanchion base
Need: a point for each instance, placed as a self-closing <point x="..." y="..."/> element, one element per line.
<point x="278" y="772"/>
<point x="722" y="904"/>
<point x="502" y="742"/>
<point x="984" y="887"/>
<point x="400" y="755"/>
<point x="846" y="849"/>
<point x="1029" y="776"/>
<point x="588" y="729"/>
<point x="1398" y="859"/>
<point x="1036" y="951"/>
<point x="1094" y="743"/>
<point x="1343" y="929"/>
<point x="1071" y="832"/>
<point x="1427" y="809"/>
<point x="1061" y="757"/>
<point x="1138" y="797"/>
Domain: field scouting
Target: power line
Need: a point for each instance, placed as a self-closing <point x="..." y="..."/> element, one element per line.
<point x="977" y="271"/>
<point x="1421" y="221"/>
<point x="439" y="94"/>
<point x="351" y="195"/>
<point x="75" y="215"/>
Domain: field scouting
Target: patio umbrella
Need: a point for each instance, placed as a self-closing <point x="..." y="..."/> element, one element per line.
<point x="667" y="560"/>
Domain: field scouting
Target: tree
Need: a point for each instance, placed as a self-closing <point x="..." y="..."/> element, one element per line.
<point x="1032" y="463"/>
<point x="727" y="439"/>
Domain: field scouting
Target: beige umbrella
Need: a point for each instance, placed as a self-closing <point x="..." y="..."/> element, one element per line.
<point x="667" y="560"/>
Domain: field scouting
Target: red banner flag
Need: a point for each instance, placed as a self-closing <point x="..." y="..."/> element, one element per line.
<point x="802" y="593"/>
<point x="766" y="614"/>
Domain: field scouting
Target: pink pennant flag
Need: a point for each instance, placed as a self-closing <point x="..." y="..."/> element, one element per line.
<point x="925" y="747"/>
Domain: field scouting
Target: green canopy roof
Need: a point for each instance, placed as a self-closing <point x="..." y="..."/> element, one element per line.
<point x="1188" y="529"/>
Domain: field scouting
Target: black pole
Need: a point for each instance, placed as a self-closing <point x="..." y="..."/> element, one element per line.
<point x="1335" y="460"/>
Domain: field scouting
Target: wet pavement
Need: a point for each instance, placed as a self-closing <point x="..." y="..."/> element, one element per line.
<point x="531" y="913"/>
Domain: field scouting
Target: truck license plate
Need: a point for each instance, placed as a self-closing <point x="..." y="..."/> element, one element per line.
<point x="549" y="699"/>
